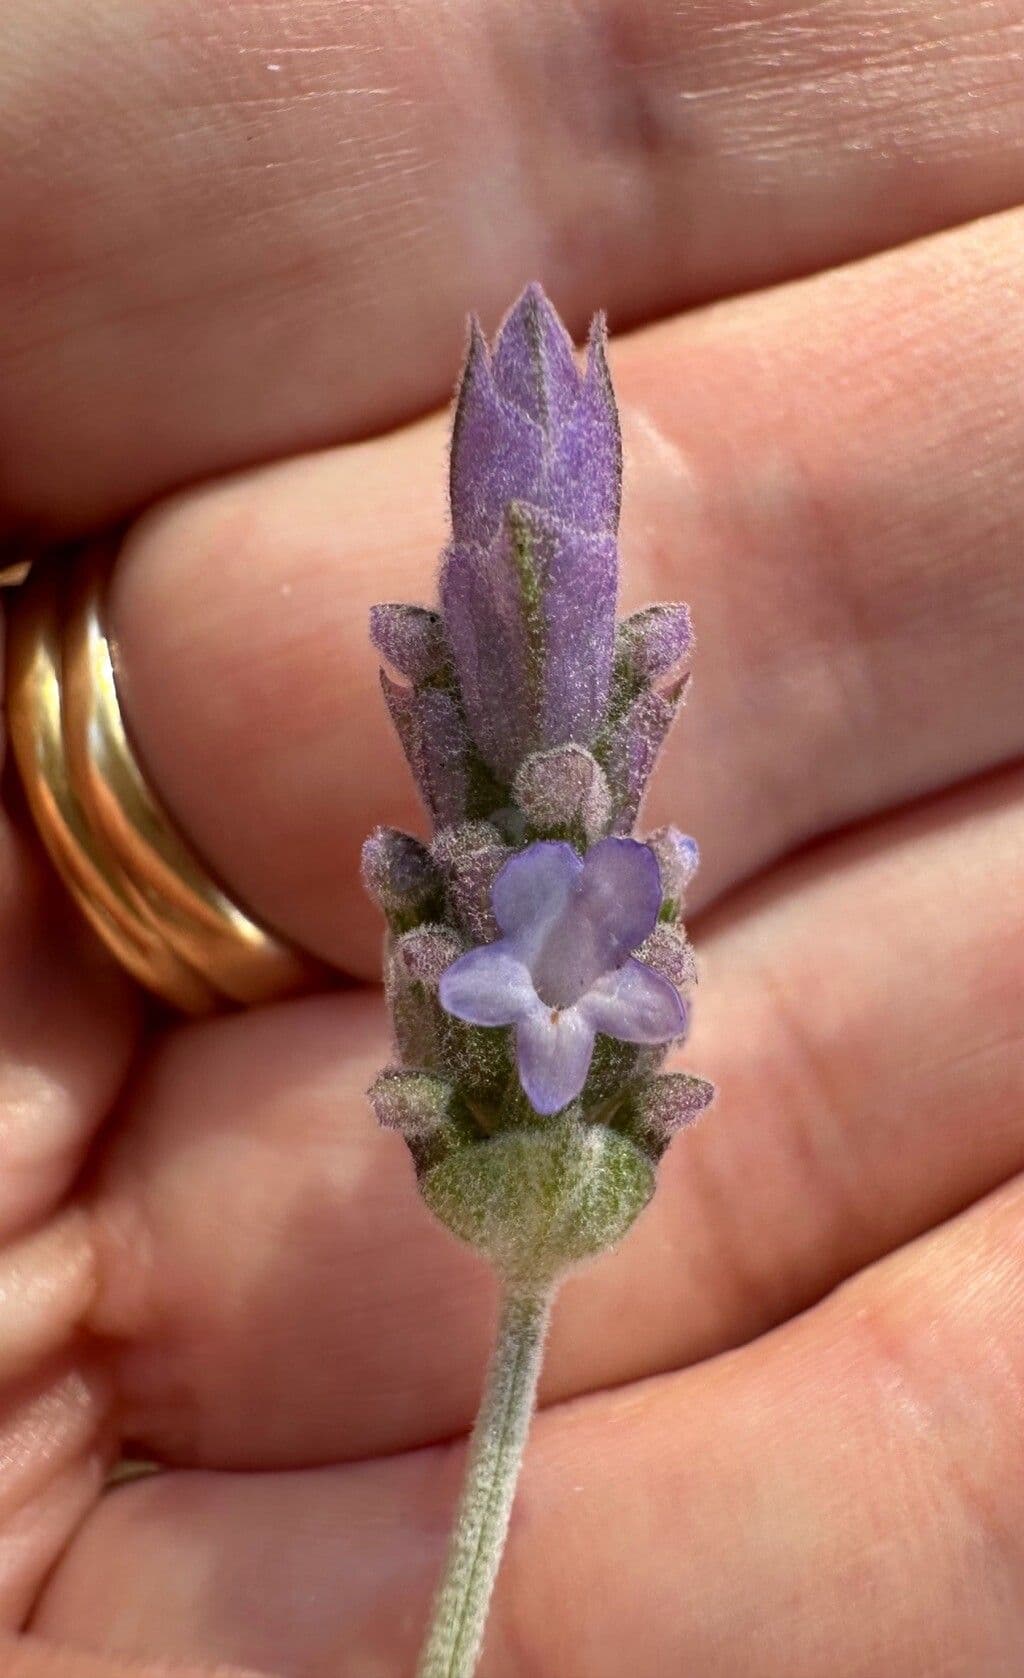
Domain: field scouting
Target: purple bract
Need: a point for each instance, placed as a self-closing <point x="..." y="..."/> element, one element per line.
<point x="528" y="583"/>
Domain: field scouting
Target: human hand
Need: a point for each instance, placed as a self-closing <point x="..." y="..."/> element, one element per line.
<point x="209" y="1249"/>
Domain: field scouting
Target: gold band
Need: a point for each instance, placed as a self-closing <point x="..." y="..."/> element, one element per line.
<point x="139" y="882"/>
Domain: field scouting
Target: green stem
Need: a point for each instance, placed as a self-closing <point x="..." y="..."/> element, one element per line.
<point x="495" y="1456"/>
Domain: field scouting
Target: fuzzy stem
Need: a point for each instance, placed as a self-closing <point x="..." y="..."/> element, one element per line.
<point x="495" y="1457"/>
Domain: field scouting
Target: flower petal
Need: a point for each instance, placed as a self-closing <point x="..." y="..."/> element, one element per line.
<point x="613" y="909"/>
<point x="488" y="986"/>
<point x="621" y="893"/>
<point x="553" y="1050"/>
<point x="634" y="1004"/>
<point x="533" y="889"/>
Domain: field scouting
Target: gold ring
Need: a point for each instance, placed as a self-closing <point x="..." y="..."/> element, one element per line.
<point x="148" y="895"/>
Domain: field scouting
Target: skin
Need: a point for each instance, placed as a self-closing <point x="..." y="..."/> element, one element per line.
<point x="781" y="1426"/>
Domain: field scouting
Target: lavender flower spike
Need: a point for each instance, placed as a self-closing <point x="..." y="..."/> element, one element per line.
<point x="563" y="971"/>
<point x="536" y="961"/>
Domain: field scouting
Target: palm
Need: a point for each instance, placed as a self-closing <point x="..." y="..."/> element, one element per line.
<point x="210" y="1250"/>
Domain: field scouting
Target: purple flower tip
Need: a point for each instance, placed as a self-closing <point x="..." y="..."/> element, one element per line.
<point x="562" y="970"/>
<point x="529" y="581"/>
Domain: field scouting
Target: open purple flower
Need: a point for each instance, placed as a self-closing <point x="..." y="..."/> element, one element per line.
<point x="563" y="971"/>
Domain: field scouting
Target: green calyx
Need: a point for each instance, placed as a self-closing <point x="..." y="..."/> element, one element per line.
<point x="539" y="1200"/>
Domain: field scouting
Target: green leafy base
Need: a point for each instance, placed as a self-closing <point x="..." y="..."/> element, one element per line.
<point x="538" y="1201"/>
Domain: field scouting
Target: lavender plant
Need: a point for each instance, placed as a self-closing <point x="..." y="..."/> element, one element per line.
<point x="536" y="964"/>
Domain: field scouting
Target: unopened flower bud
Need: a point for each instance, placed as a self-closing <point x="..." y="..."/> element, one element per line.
<point x="415" y="1103"/>
<point x="399" y="873"/>
<point x="411" y="639"/>
<point x="563" y="792"/>
<point x="633" y="750"/>
<point x="678" y="860"/>
<point x="671" y="954"/>
<point x="470" y="858"/>
<point x="412" y="970"/>
<point x="451" y="844"/>
<point x="429" y="724"/>
<point x="660" y="1108"/>
<point x="652" y="642"/>
<point x="471" y="883"/>
<point x="425" y="953"/>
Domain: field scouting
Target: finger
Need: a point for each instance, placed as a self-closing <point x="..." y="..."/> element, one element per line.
<point x="843" y="1496"/>
<point x="68" y="1024"/>
<point x="274" y="1293"/>
<point x="47" y="1283"/>
<point x="29" y="1657"/>
<point x="66" y="1031"/>
<point x="56" y="1438"/>
<point x="56" y="1443"/>
<point x="256" y="237"/>
<point x="831" y="474"/>
<point x="68" y="1027"/>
